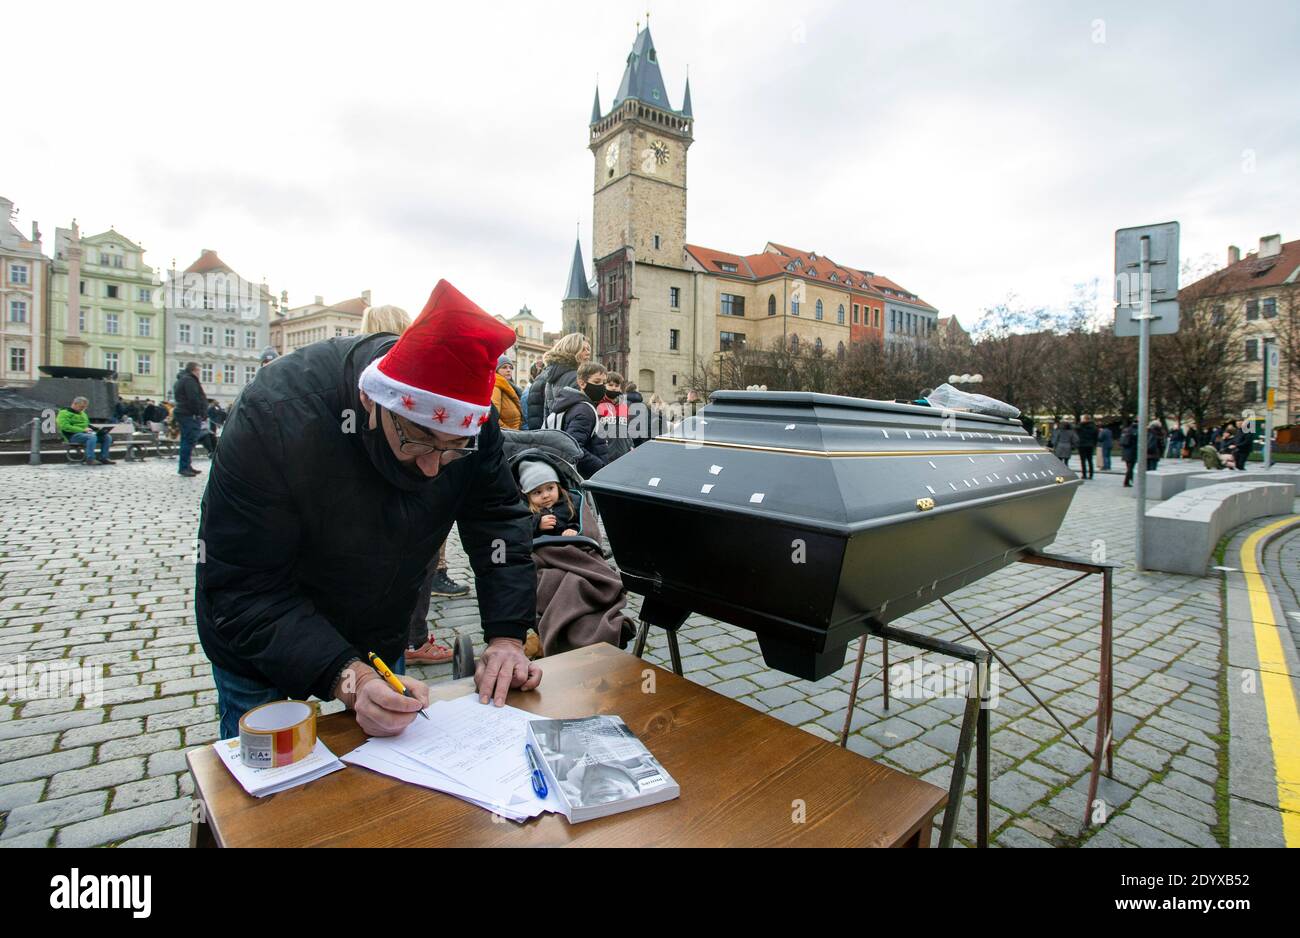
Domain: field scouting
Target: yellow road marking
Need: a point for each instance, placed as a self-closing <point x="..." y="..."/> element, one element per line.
<point x="1279" y="697"/>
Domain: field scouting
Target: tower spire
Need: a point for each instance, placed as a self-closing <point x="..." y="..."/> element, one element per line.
<point x="578" y="288"/>
<point x="642" y="80"/>
<point x="595" y="105"/>
<point x="686" y="97"/>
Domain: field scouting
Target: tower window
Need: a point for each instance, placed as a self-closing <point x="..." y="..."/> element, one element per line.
<point x="771" y="305"/>
<point x="674" y="340"/>
<point x="656" y="242"/>
<point x="674" y="297"/>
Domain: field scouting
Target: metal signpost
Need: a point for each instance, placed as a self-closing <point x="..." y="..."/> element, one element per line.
<point x="1146" y="304"/>
<point x="1272" y="366"/>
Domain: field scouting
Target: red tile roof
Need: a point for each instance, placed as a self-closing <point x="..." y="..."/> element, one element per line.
<point x="1253" y="272"/>
<point x="712" y="261"/>
<point x="775" y="261"/>
<point x="207" y="262"/>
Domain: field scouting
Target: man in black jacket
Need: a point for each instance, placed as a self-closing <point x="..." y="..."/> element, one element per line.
<point x="327" y="501"/>
<point x="191" y="415"/>
<point x="1087" y="432"/>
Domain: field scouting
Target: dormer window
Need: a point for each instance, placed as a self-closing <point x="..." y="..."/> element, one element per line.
<point x="729" y="268"/>
<point x="812" y="271"/>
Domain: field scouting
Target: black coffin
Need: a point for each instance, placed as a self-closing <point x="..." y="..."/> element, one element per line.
<point x="799" y="516"/>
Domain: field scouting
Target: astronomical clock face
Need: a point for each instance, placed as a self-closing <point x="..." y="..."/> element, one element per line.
<point x="611" y="157"/>
<point x="654" y="156"/>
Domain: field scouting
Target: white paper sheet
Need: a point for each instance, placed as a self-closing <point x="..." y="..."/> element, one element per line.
<point x="263" y="782"/>
<point x="470" y="750"/>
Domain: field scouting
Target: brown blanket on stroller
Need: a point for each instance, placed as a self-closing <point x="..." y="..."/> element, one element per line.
<point x="580" y="600"/>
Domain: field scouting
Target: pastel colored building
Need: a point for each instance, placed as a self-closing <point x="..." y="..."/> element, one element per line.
<point x="219" y="319"/>
<point x="106" y="311"/>
<point x="24" y="279"/>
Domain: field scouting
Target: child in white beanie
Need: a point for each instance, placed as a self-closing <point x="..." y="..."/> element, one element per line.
<point x="552" y="508"/>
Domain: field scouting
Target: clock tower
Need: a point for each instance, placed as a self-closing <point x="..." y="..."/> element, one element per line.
<point x="640" y="151"/>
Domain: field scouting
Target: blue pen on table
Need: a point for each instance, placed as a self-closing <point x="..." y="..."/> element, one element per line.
<point x="539" y="777"/>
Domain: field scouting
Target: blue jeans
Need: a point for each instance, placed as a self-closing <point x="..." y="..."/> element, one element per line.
<point x="236" y="695"/>
<point x="191" y="429"/>
<point x="87" y="440"/>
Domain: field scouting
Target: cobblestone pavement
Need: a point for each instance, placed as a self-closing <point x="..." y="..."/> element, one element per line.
<point x="96" y="568"/>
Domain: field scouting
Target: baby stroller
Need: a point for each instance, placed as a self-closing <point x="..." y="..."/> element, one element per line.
<point x="558" y="450"/>
<point x="571" y="614"/>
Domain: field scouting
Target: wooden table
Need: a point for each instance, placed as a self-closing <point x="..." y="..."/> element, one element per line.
<point x="745" y="777"/>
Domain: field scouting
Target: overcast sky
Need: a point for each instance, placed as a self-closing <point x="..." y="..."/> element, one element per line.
<point x="964" y="150"/>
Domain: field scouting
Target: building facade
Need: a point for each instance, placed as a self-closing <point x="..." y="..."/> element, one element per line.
<point x="24" y="281"/>
<point x="107" y="311"/>
<point x="315" y="322"/>
<point x="1263" y="290"/>
<point x="530" y="345"/>
<point x="216" y="318"/>
<point x="659" y="309"/>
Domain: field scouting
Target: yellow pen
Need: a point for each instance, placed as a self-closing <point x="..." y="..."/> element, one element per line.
<point x="391" y="679"/>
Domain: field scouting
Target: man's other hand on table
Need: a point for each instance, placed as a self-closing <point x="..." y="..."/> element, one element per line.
<point x="504" y="666"/>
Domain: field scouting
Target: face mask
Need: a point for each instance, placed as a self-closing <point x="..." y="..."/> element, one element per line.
<point x="595" y="393"/>
<point x="611" y="394"/>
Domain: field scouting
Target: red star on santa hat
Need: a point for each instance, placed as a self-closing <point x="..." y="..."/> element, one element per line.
<point x="408" y="402"/>
<point x="440" y="415"/>
<point x="467" y="421"/>
<point x="482" y="420"/>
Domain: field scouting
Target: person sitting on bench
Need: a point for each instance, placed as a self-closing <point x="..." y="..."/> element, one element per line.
<point x="74" y="423"/>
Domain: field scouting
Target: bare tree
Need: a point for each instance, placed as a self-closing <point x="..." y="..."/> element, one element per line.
<point x="1201" y="367"/>
<point x="1012" y="348"/>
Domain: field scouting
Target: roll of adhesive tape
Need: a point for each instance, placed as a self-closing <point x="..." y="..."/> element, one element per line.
<point x="276" y="734"/>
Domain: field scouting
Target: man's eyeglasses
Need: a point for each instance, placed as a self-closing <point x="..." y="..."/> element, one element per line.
<point x="449" y="454"/>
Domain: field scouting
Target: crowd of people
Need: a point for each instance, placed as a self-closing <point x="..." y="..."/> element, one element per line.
<point x="1227" y="446"/>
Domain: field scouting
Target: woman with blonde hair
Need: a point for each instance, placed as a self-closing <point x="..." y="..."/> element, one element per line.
<point x="392" y="319"/>
<point x="561" y="371"/>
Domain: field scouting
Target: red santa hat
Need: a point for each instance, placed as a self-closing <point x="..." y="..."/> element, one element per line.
<point x="442" y="370"/>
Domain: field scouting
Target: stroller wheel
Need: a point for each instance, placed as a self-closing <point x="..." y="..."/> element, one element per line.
<point x="462" y="659"/>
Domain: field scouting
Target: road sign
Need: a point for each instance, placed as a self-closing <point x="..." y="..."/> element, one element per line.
<point x="1156" y="283"/>
<point x="1146" y="304"/>
<point x="1272" y="364"/>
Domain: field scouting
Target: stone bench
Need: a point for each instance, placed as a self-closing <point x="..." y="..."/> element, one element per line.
<point x="1170" y="481"/>
<point x="1276" y="474"/>
<point x="1180" y="535"/>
